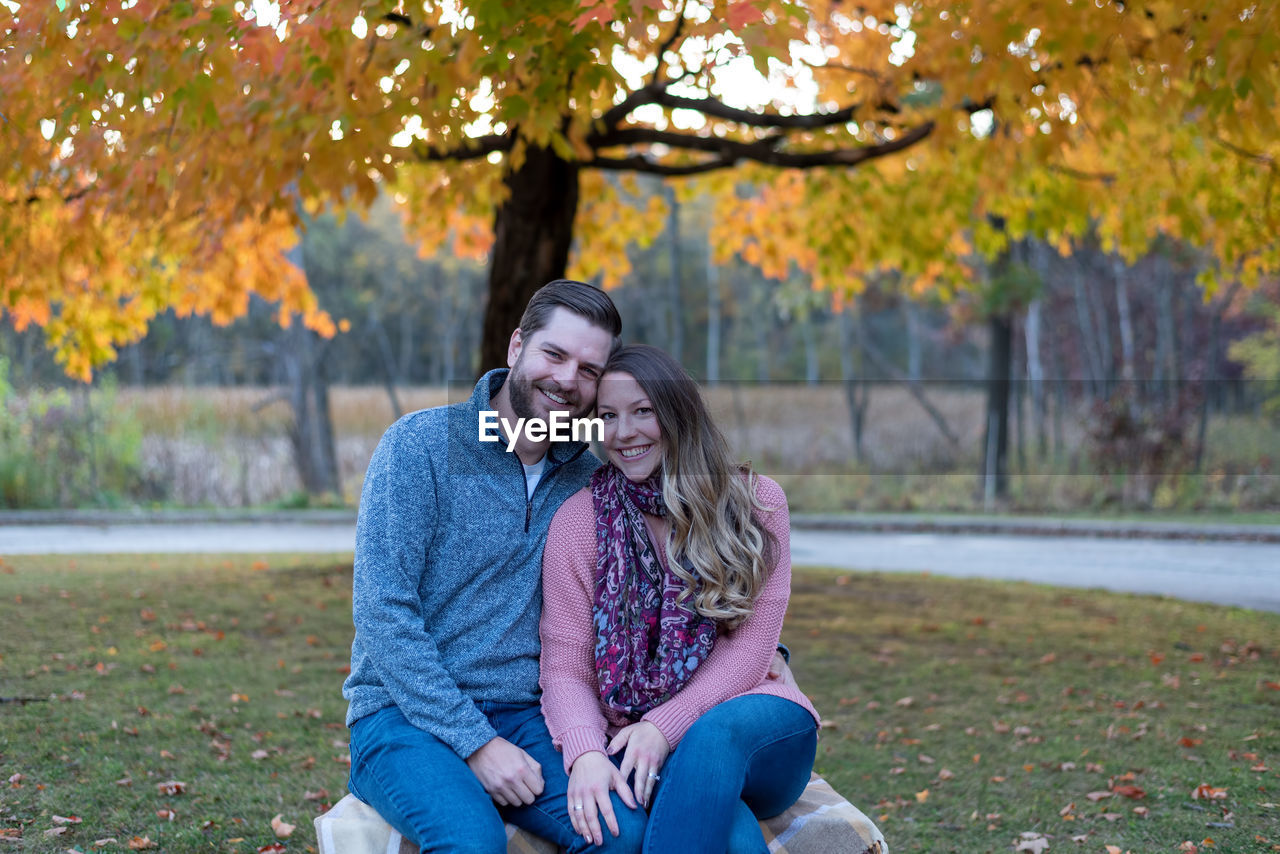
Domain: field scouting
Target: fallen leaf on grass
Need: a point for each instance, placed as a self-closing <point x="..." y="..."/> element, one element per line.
<point x="1130" y="792"/>
<point x="318" y="795"/>
<point x="1112" y="816"/>
<point x="273" y="848"/>
<point x="1097" y="796"/>
<point x="944" y="774"/>
<point x="65" y="819"/>
<point x="171" y="787"/>
<point x="259" y="754"/>
<point x="124" y="781"/>
<point x="56" y="831"/>
<point x="1189" y="847"/>
<point x="1033" y="842"/>
<point x="103" y="843"/>
<point x="281" y="828"/>
<point x="922" y="796"/>
<point x="1142" y="811"/>
<point x="166" y="814"/>
<point x="1207" y="792"/>
<point x="141" y="843"/>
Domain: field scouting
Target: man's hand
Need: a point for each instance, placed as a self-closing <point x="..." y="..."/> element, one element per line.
<point x="590" y="780"/>
<point x="780" y="671"/>
<point x="508" y="774"/>
<point x="647" y="750"/>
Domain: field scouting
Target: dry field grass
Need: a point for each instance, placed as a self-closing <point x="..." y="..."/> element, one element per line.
<point x="230" y="447"/>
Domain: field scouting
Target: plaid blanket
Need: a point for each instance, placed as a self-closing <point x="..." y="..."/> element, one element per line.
<point x="821" y="822"/>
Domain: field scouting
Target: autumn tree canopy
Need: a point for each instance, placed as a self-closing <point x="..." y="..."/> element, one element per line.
<point x="158" y="155"/>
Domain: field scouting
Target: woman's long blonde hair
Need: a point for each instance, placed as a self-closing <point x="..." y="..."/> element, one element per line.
<point x="716" y="543"/>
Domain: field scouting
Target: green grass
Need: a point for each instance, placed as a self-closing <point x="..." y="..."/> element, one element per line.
<point x="1029" y="698"/>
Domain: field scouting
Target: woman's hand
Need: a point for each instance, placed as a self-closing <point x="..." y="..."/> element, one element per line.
<point x="647" y="750"/>
<point x="590" y="780"/>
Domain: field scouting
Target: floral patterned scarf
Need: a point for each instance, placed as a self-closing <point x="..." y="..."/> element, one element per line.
<point x="647" y="642"/>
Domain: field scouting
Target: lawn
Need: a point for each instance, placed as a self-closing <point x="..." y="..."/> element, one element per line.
<point x="185" y="702"/>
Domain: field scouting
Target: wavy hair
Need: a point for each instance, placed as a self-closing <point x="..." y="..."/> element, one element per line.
<point x="716" y="543"/>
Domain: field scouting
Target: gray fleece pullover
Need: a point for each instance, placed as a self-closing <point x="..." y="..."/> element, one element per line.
<point x="448" y="571"/>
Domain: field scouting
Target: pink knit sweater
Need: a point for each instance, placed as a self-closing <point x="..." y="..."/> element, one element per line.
<point x="737" y="665"/>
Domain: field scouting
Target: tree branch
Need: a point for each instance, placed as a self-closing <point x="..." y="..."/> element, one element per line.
<point x="648" y="166"/>
<point x="731" y="152"/>
<point x="76" y="195"/>
<point x="719" y="110"/>
<point x="672" y="139"/>
<point x="472" y="149"/>
<point x="1243" y="152"/>
<point x="669" y="42"/>
<point x="1104" y="177"/>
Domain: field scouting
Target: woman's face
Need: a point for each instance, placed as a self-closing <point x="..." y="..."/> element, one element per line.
<point x="632" y="437"/>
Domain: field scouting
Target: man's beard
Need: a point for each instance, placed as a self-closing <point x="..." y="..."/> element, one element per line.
<point x="521" y="391"/>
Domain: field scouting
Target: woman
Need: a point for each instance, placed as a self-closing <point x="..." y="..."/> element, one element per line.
<point x="665" y="582"/>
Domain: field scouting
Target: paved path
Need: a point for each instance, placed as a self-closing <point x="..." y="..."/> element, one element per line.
<point x="1220" y="569"/>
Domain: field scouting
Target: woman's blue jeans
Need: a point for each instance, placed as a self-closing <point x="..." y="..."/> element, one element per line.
<point x="746" y="759"/>
<point x="428" y="793"/>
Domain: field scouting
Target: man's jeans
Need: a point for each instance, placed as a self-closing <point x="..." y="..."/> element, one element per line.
<point x="424" y="790"/>
<point x="746" y="759"/>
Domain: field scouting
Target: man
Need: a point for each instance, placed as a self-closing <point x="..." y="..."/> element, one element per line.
<point x="447" y="738"/>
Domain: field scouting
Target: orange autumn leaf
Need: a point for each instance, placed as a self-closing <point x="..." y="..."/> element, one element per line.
<point x="1206" y="792"/>
<point x="281" y="828"/>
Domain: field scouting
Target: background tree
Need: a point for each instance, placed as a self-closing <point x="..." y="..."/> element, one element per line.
<point x="495" y="122"/>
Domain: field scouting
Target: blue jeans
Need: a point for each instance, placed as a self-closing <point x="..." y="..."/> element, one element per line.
<point x="746" y="759"/>
<point x="428" y="793"/>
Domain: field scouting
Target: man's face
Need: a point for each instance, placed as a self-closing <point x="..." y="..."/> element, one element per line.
<point x="557" y="367"/>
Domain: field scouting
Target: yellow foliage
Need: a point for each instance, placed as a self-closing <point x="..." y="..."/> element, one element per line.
<point x="171" y="174"/>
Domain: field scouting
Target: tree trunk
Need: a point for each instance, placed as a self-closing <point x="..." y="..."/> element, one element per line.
<point x="1090" y="356"/>
<point x="311" y="433"/>
<point x="1035" y="377"/>
<point x="996" y="451"/>
<point x="855" y="384"/>
<point x="1125" y="314"/>
<point x="1102" y="325"/>
<point x="1166" y="370"/>
<point x="809" y="334"/>
<point x="675" y="316"/>
<point x="915" y="347"/>
<point x="714" y="318"/>
<point x="533" y="230"/>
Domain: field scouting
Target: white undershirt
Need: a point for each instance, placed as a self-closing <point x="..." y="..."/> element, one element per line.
<point x="533" y="474"/>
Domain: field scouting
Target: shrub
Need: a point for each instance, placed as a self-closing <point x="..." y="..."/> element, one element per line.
<point x="63" y="450"/>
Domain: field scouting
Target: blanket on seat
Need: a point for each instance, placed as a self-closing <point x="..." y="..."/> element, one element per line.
<point x="821" y="822"/>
